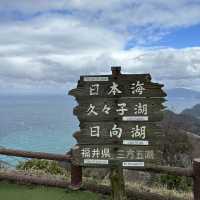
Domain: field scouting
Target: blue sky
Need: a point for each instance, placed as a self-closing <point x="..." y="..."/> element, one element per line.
<point x="182" y="37"/>
<point x="46" y="44"/>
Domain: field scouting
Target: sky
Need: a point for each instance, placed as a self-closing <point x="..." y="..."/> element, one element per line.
<point x="45" y="45"/>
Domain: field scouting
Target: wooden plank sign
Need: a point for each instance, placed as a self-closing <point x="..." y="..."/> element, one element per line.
<point x="123" y="85"/>
<point x="109" y="155"/>
<point x="123" y="109"/>
<point x="126" y="133"/>
<point x="118" y="115"/>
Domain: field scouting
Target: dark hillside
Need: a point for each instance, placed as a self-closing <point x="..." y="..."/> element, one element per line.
<point x="183" y="121"/>
<point x="180" y="143"/>
<point x="194" y="112"/>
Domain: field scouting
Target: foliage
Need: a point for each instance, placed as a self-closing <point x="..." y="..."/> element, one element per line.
<point x="177" y="150"/>
<point x="49" y="167"/>
<point x="176" y="182"/>
<point x="4" y="165"/>
<point x="159" y="189"/>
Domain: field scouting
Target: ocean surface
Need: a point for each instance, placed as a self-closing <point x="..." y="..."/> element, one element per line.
<point x="37" y="123"/>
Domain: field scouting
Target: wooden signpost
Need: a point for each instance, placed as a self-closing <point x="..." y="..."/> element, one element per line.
<point x="118" y="115"/>
<point x="131" y="133"/>
<point x="109" y="155"/>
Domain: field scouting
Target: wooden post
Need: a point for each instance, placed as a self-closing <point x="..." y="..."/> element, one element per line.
<point x="116" y="172"/>
<point x="117" y="184"/>
<point x="76" y="177"/>
<point x="76" y="173"/>
<point x="116" y="71"/>
<point x="196" y="168"/>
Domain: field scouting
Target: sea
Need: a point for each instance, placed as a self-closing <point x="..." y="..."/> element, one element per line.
<point x="42" y="123"/>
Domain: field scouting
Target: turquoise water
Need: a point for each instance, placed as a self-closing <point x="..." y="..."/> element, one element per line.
<point x="37" y="123"/>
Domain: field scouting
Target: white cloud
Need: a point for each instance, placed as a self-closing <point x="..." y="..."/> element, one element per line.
<point x="63" y="32"/>
<point x="31" y="65"/>
<point x="141" y="21"/>
<point x="31" y="5"/>
<point x="52" y="50"/>
<point x="165" y="13"/>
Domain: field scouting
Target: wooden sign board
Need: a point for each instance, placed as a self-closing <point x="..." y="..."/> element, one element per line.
<point x="121" y="86"/>
<point x="126" y="133"/>
<point x="109" y="155"/>
<point x="123" y="109"/>
<point x="117" y="115"/>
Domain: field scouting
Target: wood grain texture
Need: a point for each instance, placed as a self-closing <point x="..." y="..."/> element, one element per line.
<point x="84" y="92"/>
<point x="196" y="178"/>
<point x="117" y="183"/>
<point x="130" y="131"/>
<point x="109" y="107"/>
<point x="38" y="155"/>
<point x="118" y="155"/>
<point x="152" y="117"/>
<point x="130" y="101"/>
<point x="130" y="107"/>
<point x="130" y="77"/>
<point x="124" y="84"/>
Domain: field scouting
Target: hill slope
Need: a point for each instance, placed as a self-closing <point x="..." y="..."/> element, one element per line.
<point x="181" y="98"/>
<point x="194" y="111"/>
<point x="181" y="144"/>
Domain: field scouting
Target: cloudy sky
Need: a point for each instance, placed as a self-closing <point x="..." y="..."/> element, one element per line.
<point x="46" y="44"/>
